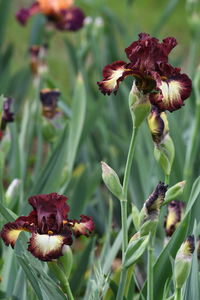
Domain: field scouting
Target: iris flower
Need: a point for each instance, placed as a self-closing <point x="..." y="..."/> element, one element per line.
<point x="62" y="13"/>
<point x="166" y="86"/>
<point x="49" y="227"/>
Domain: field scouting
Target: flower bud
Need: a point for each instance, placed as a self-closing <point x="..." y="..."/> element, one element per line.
<point x="183" y="261"/>
<point x="174" y="216"/>
<point x="174" y="192"/>
<point x="139" y="105"/>
<point x="158" y="125"/>
<point x="12" y="191"/>
<point x="111" y="180"/>
<point x="198" y="248"/>
<point x="66" y="260"/>
<point x="151" y="209"/>
<point x="164" y="154"/>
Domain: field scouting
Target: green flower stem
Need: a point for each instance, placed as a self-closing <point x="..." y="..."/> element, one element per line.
<point x="150" y="269"/>
<point x="166" y="179"/>
<point x="123" y="202"/>
<point x="64" y="283"/>
<point x="178" y="294"/>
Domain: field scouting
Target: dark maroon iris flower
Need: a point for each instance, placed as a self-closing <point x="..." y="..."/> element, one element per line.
<point x="166" y="86"/>
<point x="49" y="227"/>
<point x="61" y="13"/>
<point x="175" y="212"/>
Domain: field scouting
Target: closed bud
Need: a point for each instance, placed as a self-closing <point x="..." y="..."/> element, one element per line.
<point x="164" y="154"/>
<point x="174" y="192"/>
<point x="111" y="180"/>
<point x="139" y="105"/>
<point x="12" y="191"/>
<point x="66" y="260"/>
<point x="158" y="125"/>
<point x="183" y="262"/>
<point x="175" y="212"/>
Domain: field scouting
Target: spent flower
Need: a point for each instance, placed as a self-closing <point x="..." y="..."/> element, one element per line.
<point x="7" y="116"/>
<point x="49" y="226"/>
<point x="61" y="13"/>
<point x="165" y="85"/>
<point x="49" y="99"/>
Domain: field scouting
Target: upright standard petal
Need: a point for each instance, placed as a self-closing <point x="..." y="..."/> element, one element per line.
<point x="147" y="51"/>
<point x="172" y="92"/>
<point x="49" y="7"/>
<point x="51" y="210"/>
<point x="48" y="246"/>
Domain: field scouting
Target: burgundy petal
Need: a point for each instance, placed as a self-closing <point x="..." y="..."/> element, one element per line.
<point x="71" y="19"/>
<point x="83" y="227"/>
<point x="147" y="51"/>
<point x="51" y="210"/>
<point x="25" y="13"/>
<point x="172" y="92"/>
<point x="7" y="115"/>
<point x="11" y="231"/>
<point x="113" y="74"/>
<point x="47" y="247"/>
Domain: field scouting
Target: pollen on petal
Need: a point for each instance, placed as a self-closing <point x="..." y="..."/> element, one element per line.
<point x="47" y="247"/>
<point x="113" y="74"/>
<point x="173" y="92"/>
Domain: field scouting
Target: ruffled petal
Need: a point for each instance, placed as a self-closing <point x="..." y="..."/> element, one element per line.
<point x="172" y="92"/>
<point x="51" y="210"/>
<point x="11" y="231"/>
<point x="25" y="13"/>
<point x="83" y="227"/>
<point x="113" y="74"/>
<point x="47" y="247"/>
<point x="71" y="19"/>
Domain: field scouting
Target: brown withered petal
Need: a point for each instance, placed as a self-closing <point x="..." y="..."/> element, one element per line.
<point x="49" y="99"/>
<point x="172" y="92"/>
<point x="175" y="212"/>
<point x="155" y="200"/>
<point x="83" y="227"/>
<point x="49" y="246"/>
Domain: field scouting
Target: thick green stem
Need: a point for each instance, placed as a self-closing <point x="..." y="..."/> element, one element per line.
<point x="166" y="179"/>
<point x="64" y="283"/>
<point x="178" y="294"/>
<point x="124" y="213"/>
<point x="150" y="270"/>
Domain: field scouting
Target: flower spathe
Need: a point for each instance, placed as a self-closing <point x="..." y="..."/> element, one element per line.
<point x="49" y="227"/>
<point x="166" y="86"/>
<point x="62" y="13"/>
